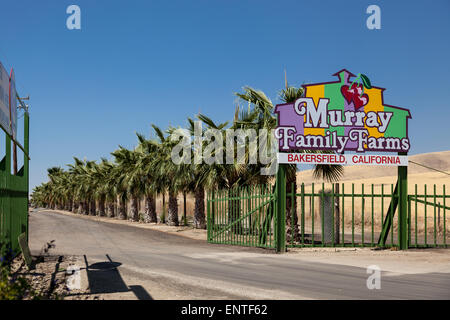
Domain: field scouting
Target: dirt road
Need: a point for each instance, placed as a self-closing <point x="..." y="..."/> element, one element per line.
<point x="125" y="262"/>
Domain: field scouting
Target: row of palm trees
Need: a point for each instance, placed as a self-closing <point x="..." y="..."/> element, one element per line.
<point x="104" y="188"/>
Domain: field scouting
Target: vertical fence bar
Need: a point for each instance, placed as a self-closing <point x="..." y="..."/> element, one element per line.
<point x="260" y="225"/>
<point x="293" y="211"/>
<point x="231" y="206"/>
<point x="409" y="222"/>
<point x="218" y="215"/>
<point x="322" y="210"/>
<point x="415" y="213"/>
<point x="343" y="215"/>
<point x="208" y="217"/>
<point x="252" y="223"/>
<point x="223" y="211"/>
<point x="399" y="208"/>
<point x="333" y="228"/>
<point x="434" y="205"/>
<point x="303" y="213"/>
<point x="353" y="214"/>
<point x="445" y="218"/>
<point x="373" y="240"/>
<point x="362" y="215"/>
<point x="313" y="212"/>
<point x="392" y="214"/>
<point x="273" y="226"/>
<point x="382" y="207"/>
<point x="226" y="214"/>
<point x="425" y="214"/>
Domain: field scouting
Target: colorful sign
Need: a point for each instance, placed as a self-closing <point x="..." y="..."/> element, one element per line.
<point x="345" y="115"/>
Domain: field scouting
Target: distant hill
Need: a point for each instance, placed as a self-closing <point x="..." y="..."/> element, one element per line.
<point x="378" y="174"/>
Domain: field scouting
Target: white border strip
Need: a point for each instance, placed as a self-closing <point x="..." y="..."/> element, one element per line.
<point x="343" y="159"/>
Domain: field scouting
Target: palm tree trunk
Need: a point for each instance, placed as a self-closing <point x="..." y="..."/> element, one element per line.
<point x="199" y="209"/>
<point x="85" y="207"/>
<point x="101" y="206"/>
<point x="122" y="215"/>
<point x="134" y="215"/>
<point x="172" y="216"/>
<point x="74" y="206"/>
<point x="92" y="207"/>
<point x="110" y="212"/>
<point x="150" y="209"/>
<point x="184" y="209"/>
<point x="162" y="218"/>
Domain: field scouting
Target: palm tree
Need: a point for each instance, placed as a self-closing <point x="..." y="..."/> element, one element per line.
<point x="166" y="173"/>
<point x="202" y="175"/>
<point x="147" y="151"/>
<point x="125" y="161"/>
<point x="260" y="116"/>
<point x="77" y="170"/>
<point x="108" y="186"/>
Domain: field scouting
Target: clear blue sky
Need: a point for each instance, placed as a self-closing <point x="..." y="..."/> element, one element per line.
<point x="141" y="62"/>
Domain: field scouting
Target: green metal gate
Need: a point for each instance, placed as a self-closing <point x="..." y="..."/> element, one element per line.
<point x="242" y="216"/>
<point x="14" y="193"/>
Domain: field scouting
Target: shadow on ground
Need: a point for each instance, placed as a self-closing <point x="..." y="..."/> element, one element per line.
<point x="105" y="278"/>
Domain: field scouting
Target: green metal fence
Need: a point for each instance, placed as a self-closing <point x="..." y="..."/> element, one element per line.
<point x="14" y="194"/>
<point x="242" y="216"/>
<point x="363" y="216"/>
<point x="427" y="218"/>
<point x="328" y="215"/>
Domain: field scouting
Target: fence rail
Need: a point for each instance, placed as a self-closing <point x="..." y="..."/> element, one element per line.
<point x="327" y="215"/>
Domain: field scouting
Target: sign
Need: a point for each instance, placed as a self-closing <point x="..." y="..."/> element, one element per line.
<point x="8" y="107"/>
<point x="344" y="115"/>
<point x="4" y="99"/>
<point x="343" y="159"/>
<point x="13" y="103"/>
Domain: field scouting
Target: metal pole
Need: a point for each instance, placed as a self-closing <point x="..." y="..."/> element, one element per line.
<point x="26" y="165"/>
<point x="281" y="209"/>
<point x="403" y="206"/>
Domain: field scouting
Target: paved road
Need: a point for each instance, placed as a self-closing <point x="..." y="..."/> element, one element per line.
<point x="153" y="264"/>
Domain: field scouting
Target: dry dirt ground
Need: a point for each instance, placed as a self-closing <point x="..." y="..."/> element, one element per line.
<point x="48" y="277"/>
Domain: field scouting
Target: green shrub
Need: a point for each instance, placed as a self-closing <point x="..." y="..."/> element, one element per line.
<point x="13" y="288"/>
<point x="162" y="217"/>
